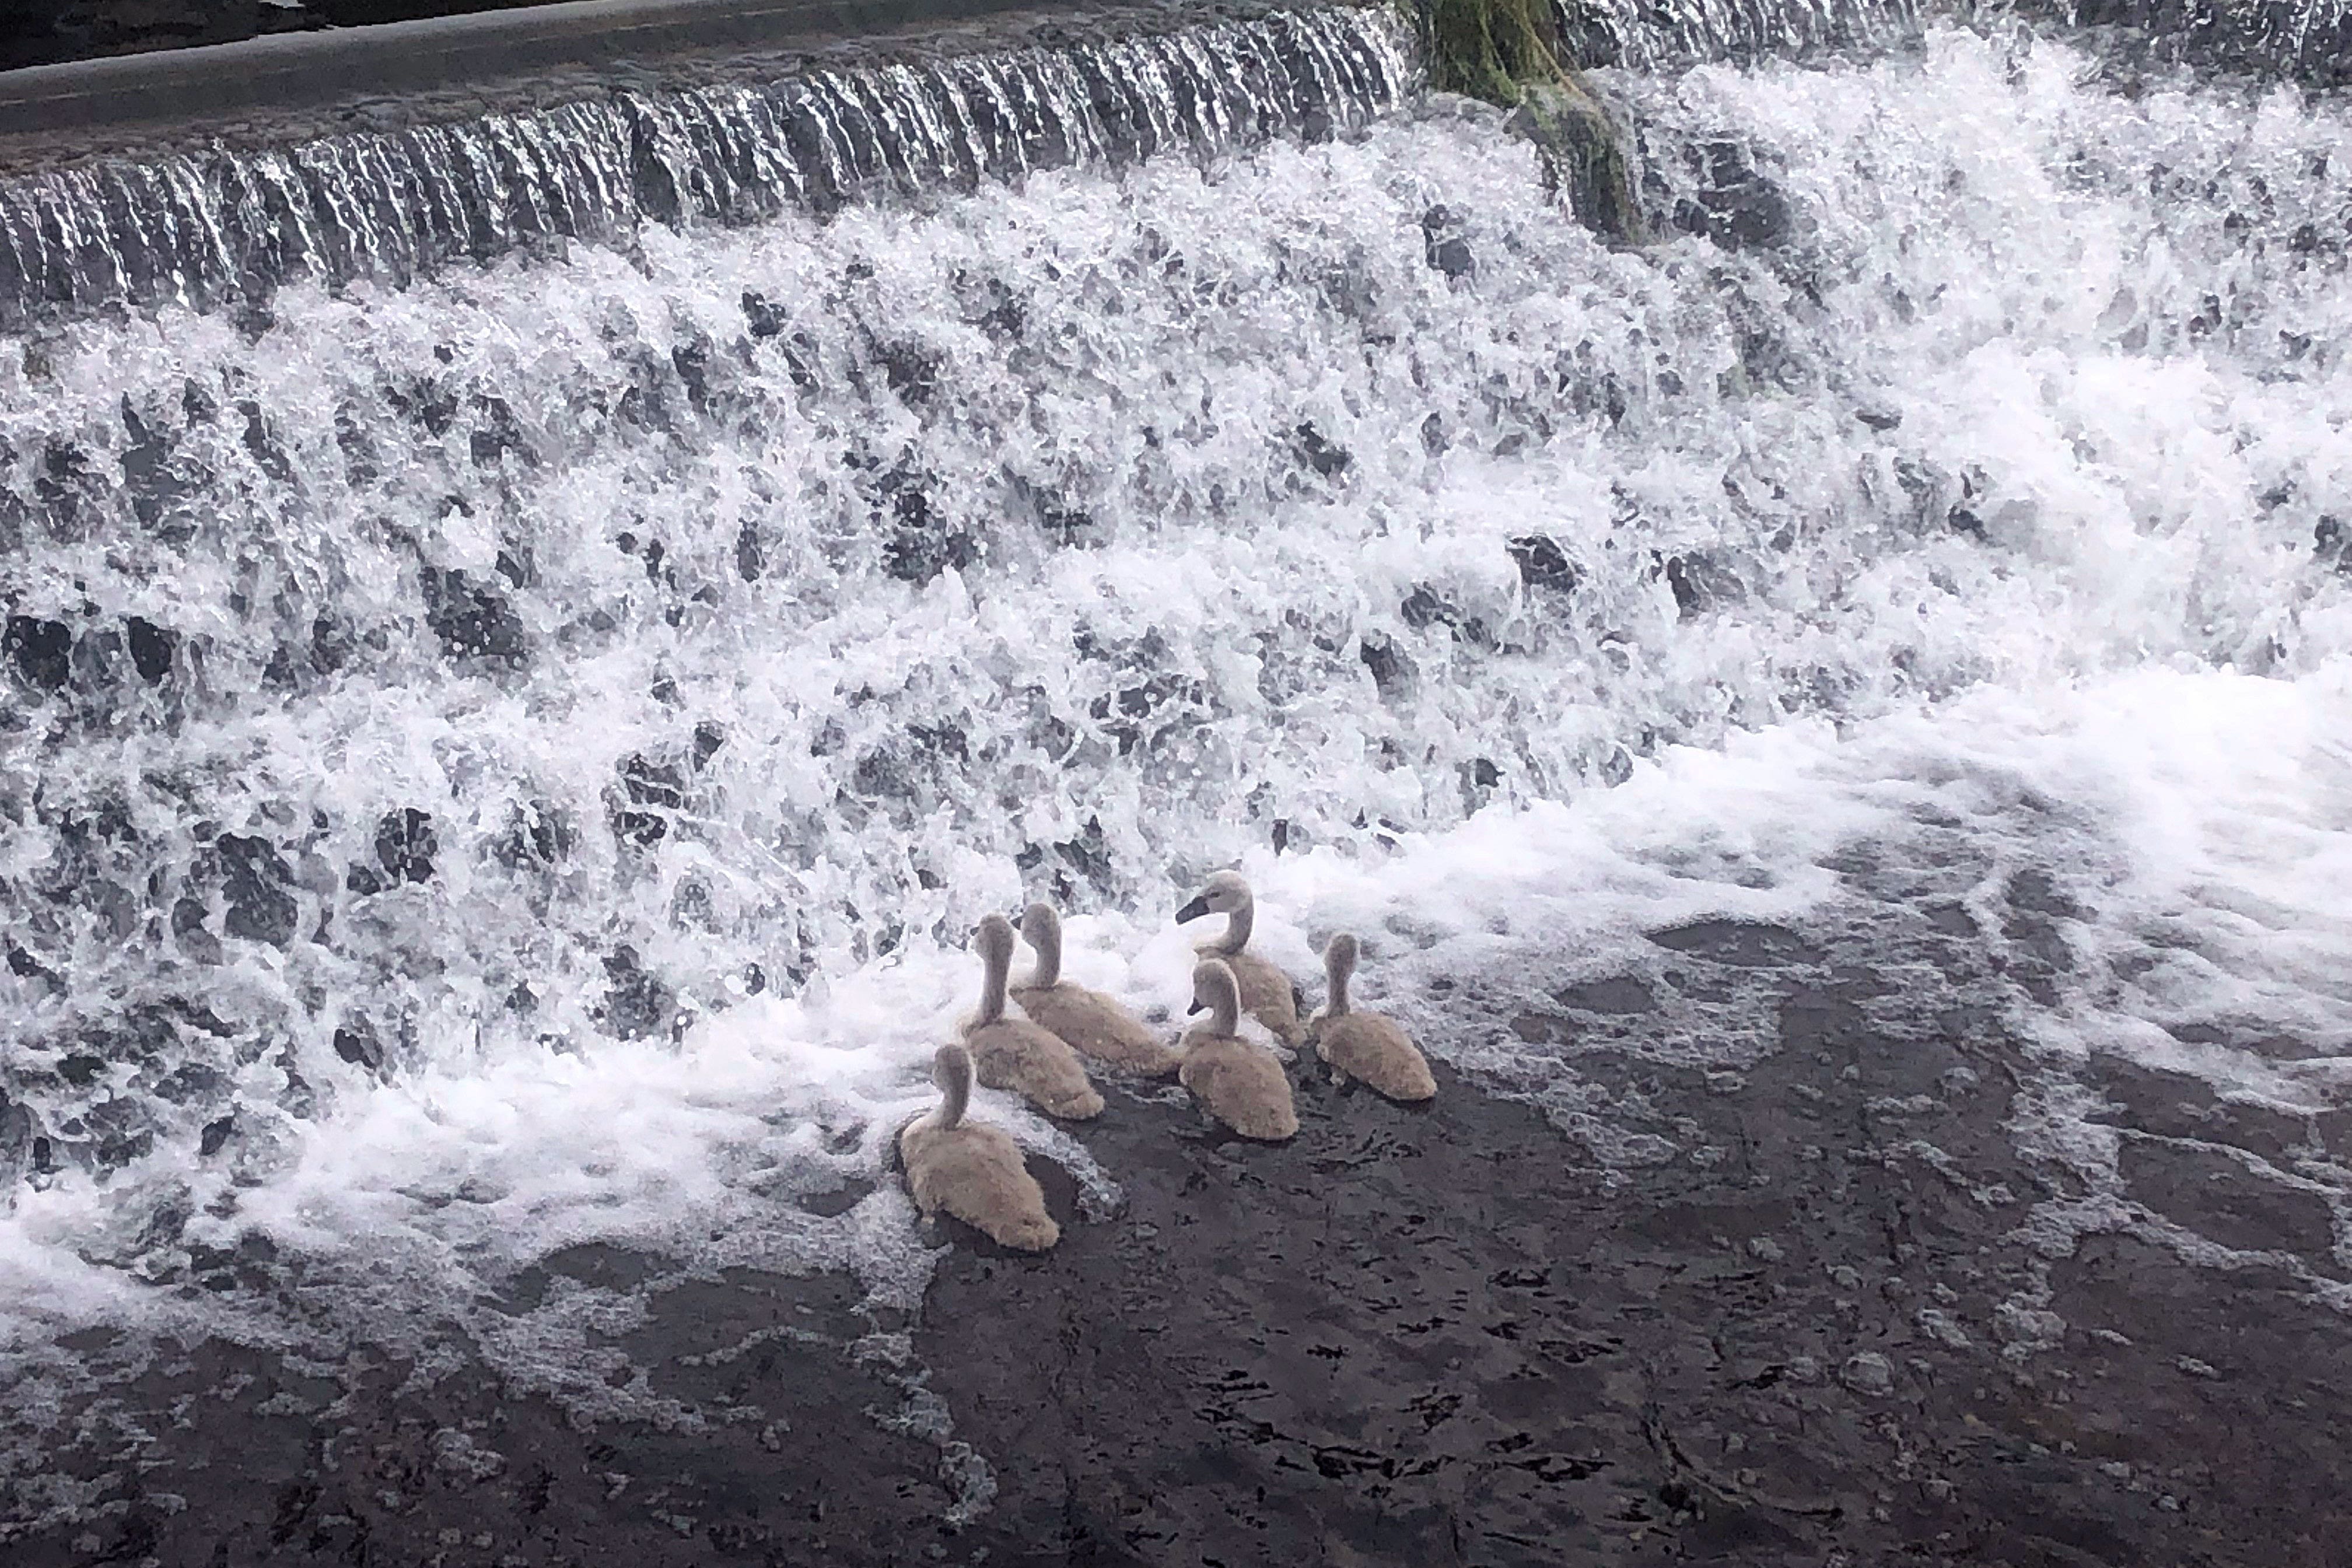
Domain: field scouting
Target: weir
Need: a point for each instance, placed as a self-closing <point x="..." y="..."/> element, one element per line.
<point x="736" y="111"/>
<point x="523" y="51"/>
<point x="537" y="614"/>
<point x="196" y="228"/>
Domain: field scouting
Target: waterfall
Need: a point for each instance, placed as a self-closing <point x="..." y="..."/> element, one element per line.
<point x="204" y="227"/>
<point x="2308" y="40"/>
<point x="1650" y="34"/>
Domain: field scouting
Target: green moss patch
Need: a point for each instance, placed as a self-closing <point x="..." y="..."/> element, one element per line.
<point x="1507" y="52"/>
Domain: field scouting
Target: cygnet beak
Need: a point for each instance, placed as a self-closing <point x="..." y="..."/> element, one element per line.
<point x="1193" y="910"/>
<point x="1198" y="1006"/>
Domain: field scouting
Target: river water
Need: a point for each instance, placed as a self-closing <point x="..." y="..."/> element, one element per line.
<point x="512" y="710"/>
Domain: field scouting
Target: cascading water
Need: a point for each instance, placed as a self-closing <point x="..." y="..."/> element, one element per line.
<point x="504" y="755"/>
<point x="210" y="226"/>
<point x="2309" y="41"/>
<point x="1651" y="34"/>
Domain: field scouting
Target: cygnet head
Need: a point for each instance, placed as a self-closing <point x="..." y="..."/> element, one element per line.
<point x="993" y="943"/>
<point x="951" y="1070"/>
<point x="1222" y="894"/>
<point x="994" y="940"/>
<point x="1216" y="992"/>
<point x="1041" y="928"/>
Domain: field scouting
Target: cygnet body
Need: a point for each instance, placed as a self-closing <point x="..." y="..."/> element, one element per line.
<point x="1266" y="989"/>
<point x="1366" y="1045"/>
<point x="1089" y="1021"/>
<point x="1015" y="1054"/>
<point x="970" y="1170"/>
<point x="1240" y="1083"/>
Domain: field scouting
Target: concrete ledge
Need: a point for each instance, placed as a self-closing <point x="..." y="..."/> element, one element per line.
<point x="524" y="143"/>
<point x="78" y="107"/>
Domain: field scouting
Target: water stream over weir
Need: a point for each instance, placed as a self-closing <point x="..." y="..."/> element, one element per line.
<point x="203" y="228"/>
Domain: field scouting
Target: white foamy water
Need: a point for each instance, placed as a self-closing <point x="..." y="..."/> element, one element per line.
<point x="597" y="697"/>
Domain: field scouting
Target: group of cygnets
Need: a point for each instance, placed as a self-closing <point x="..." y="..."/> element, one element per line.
<point x="974" y="1172"/>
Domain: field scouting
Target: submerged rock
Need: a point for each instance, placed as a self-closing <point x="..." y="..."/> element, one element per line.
<point x="751" y="553"/>
<point x="471" y="617"/>
<point x="762" y="317"/>
<point x="1700" y="583"/>
<point x="1735" y="203"/>
<point x="1319" y="452"/>
<point x="40" y="651"/>
<point x="1443" y="244"/>
<point x="637" y="1004"/>
<point x="917" y="543"/>
<point x="258" y="883"/>
<point x="1393" y="672"/>
<point x="1542" y="563"/>
<point x="152" y="648"/>
<point x="405" y="845"/>
<point x="356" y="1043"/>
<point x="654" y="790"/>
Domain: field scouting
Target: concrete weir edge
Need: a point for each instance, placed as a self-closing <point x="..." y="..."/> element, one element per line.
<point x="289" y="87"/>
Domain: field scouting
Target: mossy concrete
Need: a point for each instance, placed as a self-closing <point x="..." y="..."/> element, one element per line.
<point x="1508" y="53"/>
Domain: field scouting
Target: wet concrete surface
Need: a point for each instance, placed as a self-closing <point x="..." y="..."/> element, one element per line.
<point x="45" y="32"/>
<point x="285" y="85"/>
<point x="1824" y="1328"/>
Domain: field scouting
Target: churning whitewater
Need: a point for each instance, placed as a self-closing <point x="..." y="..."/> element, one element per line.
<point x="513" y="758"/>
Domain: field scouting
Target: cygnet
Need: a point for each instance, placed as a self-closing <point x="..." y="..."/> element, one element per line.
<point x="1015" y="1054"/>
<point x="970" y="1170"/>
<point x="1365" y="1045"/>
<point x="1267" y="990"/>
<point x="1239" y="1082"/>
<point x="1089" y="1021"/>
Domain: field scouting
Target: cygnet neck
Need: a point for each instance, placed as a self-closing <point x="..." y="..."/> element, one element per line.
<point x="1339" y="968"/>
<point x="996" y="959"/>
<point x="1239" y="920"/>
<point x="1042" y="928"/>
<point x="1225" y="998"/>
<point x="954" y="1076"/>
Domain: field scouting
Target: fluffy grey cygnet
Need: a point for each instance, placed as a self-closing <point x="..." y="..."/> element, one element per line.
<point x="1239" y="1082"/>
<point x="1365" y="1045"/>
<point x="1266" y="991"/>
<point x="1015" y="1054"/>
<point x="1089" y="1021"/>
<point x="970" y="1170"/>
